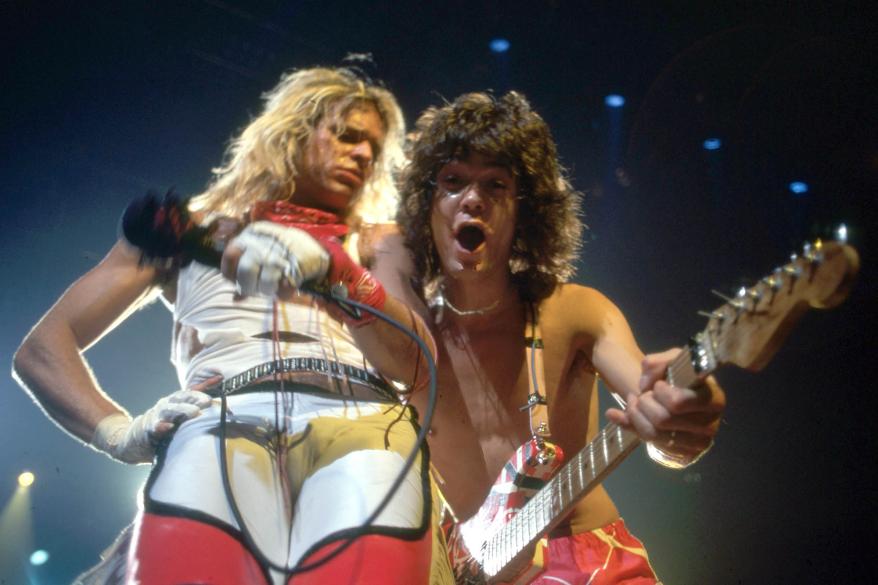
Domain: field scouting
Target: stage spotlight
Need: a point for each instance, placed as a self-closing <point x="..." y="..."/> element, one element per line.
<point x="841" y="233"/>
<point x="614" y="101"/>
<point x="798" y="187"/>
<point x="499" y="45"/>
<point x="26" y="479"/>
<point x="712" y="144"/>
<point x="39" y="557"/>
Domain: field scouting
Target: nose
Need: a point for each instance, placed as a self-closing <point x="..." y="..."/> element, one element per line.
<point x="362" y="153"/>
<point x="472" y="201"/>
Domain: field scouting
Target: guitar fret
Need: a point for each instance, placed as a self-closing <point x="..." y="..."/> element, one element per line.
<point x="543" y="520"/>
<point x="517" y="541"/>
<point x="535" y="521"/>
<point x="579" y="464"/>
<point x="591" y="458"/>
<point x="604" y="444"/>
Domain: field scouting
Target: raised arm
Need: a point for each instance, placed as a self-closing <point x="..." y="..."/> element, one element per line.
<point x="677" y="423"/>
<point x="49" y="363"/>
<point x="392" y="266"/>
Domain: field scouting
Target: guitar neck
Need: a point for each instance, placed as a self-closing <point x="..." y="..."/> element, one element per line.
<point x="585" y="471"/>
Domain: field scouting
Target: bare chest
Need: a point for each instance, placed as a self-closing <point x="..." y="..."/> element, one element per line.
<point x="479" y="422"/>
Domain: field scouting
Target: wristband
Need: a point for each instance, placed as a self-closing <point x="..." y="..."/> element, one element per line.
<point x="358" y="283"/>
<point x="672" y="461"/>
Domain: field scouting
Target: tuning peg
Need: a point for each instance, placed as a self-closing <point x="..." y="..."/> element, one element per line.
<point x="792" y="270"/>
<point x="721" y="295"/>
<point x="750" y="293"/>
<point x="813" y="253"/>
<point x="718" y="315"/>
<point x="774" y="282"/>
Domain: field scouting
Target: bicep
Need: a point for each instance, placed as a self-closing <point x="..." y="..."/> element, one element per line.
<point x="394" y="269"/>
<point x="104" y="296"/>
<point x="615" y="353"/>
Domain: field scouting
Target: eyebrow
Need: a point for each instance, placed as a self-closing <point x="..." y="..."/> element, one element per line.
<point x="340" y="128"/>
<point x="490" y="164"/>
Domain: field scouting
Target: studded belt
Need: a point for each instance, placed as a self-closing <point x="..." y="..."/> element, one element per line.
<point x="330" y="376"/>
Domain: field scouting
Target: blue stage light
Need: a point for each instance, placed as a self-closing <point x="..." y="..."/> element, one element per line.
<point x="798" y="187"/>
<point x="39" y="557"/>
<point x="614" y="101"/>
<point x="712" y="144"/>
<point x="499" y="45"/>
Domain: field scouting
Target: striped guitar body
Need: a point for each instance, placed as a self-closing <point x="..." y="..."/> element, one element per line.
<point x="526" y="472"/>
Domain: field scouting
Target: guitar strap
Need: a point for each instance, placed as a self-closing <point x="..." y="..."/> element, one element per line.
<point x="536" y="398"/>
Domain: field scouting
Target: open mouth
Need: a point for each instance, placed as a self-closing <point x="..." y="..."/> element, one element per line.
<point x="470" y="237"/>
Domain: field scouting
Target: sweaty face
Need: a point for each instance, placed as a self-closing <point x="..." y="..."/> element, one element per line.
<point x="473" y="217"/>
<point x="338" y="158"/>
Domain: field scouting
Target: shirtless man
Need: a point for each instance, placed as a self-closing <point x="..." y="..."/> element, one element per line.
<point x="491" y="231"/>
<point x="283" y="464"/>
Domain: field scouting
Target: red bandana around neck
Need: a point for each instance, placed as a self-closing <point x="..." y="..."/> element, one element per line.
<point x="316" y="222"/>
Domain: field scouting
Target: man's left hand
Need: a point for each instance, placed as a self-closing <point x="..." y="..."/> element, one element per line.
<point x="680" y="422"/>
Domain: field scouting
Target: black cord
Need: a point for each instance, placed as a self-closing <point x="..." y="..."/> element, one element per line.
<point x="409" y="462"/>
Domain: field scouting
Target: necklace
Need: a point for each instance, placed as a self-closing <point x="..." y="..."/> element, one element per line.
<point x="443" y="300"/>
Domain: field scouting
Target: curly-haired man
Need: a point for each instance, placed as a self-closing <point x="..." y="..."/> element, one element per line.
<point x="491" y="231"/>
<point x="274" y="475"/>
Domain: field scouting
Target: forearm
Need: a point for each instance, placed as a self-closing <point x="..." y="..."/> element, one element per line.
<point x="394" y="353"/>
<point x="50" y="367"/>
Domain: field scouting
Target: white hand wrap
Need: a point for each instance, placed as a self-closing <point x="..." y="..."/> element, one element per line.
<point x="272" y="253"/>
<point x="133" y="440"/>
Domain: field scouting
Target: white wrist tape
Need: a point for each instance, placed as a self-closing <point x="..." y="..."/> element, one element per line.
<point x="113" y="437"/>
<point x="133" y="440"/>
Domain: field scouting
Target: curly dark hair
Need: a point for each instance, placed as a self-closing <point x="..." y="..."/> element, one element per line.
<point x="506" y="129"/>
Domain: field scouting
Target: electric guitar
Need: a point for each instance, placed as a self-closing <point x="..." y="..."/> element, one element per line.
<point x="503" y="542"/>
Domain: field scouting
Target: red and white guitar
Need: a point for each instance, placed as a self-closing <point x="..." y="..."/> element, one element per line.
<point x="503" y="542"/>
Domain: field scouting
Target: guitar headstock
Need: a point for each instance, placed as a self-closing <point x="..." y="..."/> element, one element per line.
<point x="749" y="329"/>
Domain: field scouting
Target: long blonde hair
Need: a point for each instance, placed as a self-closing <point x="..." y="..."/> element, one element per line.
<point x="260" y="164"/>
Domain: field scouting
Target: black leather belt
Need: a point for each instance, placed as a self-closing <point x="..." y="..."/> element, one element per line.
<point x="344" y="379"/>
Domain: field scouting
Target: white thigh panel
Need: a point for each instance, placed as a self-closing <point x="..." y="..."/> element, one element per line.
<point x="343" y="494"/>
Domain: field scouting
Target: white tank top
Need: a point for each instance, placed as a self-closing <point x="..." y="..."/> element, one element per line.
<point x="217" y="333"/>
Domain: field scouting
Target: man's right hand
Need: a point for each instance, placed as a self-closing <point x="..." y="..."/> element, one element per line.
<point x="134" y="440"/>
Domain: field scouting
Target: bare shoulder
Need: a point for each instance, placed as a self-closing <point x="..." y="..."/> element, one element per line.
<point x="124" y="269"/>
<point x="388" y="250"/>
<point x="582" y="307"/>
<point x="377" y="239"/>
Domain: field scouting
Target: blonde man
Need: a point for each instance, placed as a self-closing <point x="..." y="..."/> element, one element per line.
<point x="288" y="438"/>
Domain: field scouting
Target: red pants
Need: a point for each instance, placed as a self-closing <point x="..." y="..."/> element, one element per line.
<point x="604" y="556"/>
<point x="215" y="557"/>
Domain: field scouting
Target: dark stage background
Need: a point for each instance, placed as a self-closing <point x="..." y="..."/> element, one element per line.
<point x="103" y="100"/>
